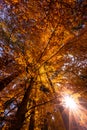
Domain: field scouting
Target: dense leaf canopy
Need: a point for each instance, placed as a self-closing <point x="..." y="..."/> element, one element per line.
<point x="43" y="56"/>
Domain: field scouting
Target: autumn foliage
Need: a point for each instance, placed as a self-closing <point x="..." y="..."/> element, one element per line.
<point x="43" y="54"/>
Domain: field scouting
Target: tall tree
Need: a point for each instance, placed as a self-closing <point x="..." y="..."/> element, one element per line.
<point x="43" y="47"/>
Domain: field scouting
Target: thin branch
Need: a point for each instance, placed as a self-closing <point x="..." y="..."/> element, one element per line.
<point x="52" y="56"/>
<point x="44" y="103"/>
<point x="48" y="43"/>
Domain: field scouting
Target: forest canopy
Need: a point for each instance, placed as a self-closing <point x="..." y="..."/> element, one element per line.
<point x="43" y="59"/>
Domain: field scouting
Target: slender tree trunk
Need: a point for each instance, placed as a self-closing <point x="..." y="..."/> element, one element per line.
<point x="20" y="115"/>
<point x="32" y="118"/>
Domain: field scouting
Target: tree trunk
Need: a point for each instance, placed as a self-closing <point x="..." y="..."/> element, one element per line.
<point x="20" y="115"/>
<point x="32" y="118"/>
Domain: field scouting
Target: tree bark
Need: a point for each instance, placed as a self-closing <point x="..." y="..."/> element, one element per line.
<point x="20" y="115"/>
<point x="32" y="118"/>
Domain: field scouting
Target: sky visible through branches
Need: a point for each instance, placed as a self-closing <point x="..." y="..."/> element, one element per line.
<point x="43" y="64"/>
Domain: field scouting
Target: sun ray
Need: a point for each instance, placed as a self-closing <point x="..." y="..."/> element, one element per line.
<point x="75" y="110"/>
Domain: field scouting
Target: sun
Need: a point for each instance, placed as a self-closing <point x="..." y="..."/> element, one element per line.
<point x="75" y="109"/>
<point x="69" y="102"/>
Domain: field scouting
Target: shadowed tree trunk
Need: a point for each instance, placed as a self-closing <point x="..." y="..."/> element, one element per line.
<point x="20" y="115"/>
<point x="32" y="118"/>
<point x="45" y="127"/>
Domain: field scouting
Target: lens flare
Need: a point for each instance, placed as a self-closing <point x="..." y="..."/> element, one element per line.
<point x="70" y="103"/>
<point x="74" y="109"/>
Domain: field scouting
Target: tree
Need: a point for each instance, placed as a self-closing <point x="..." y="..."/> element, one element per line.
<point x="43" y="48"/>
